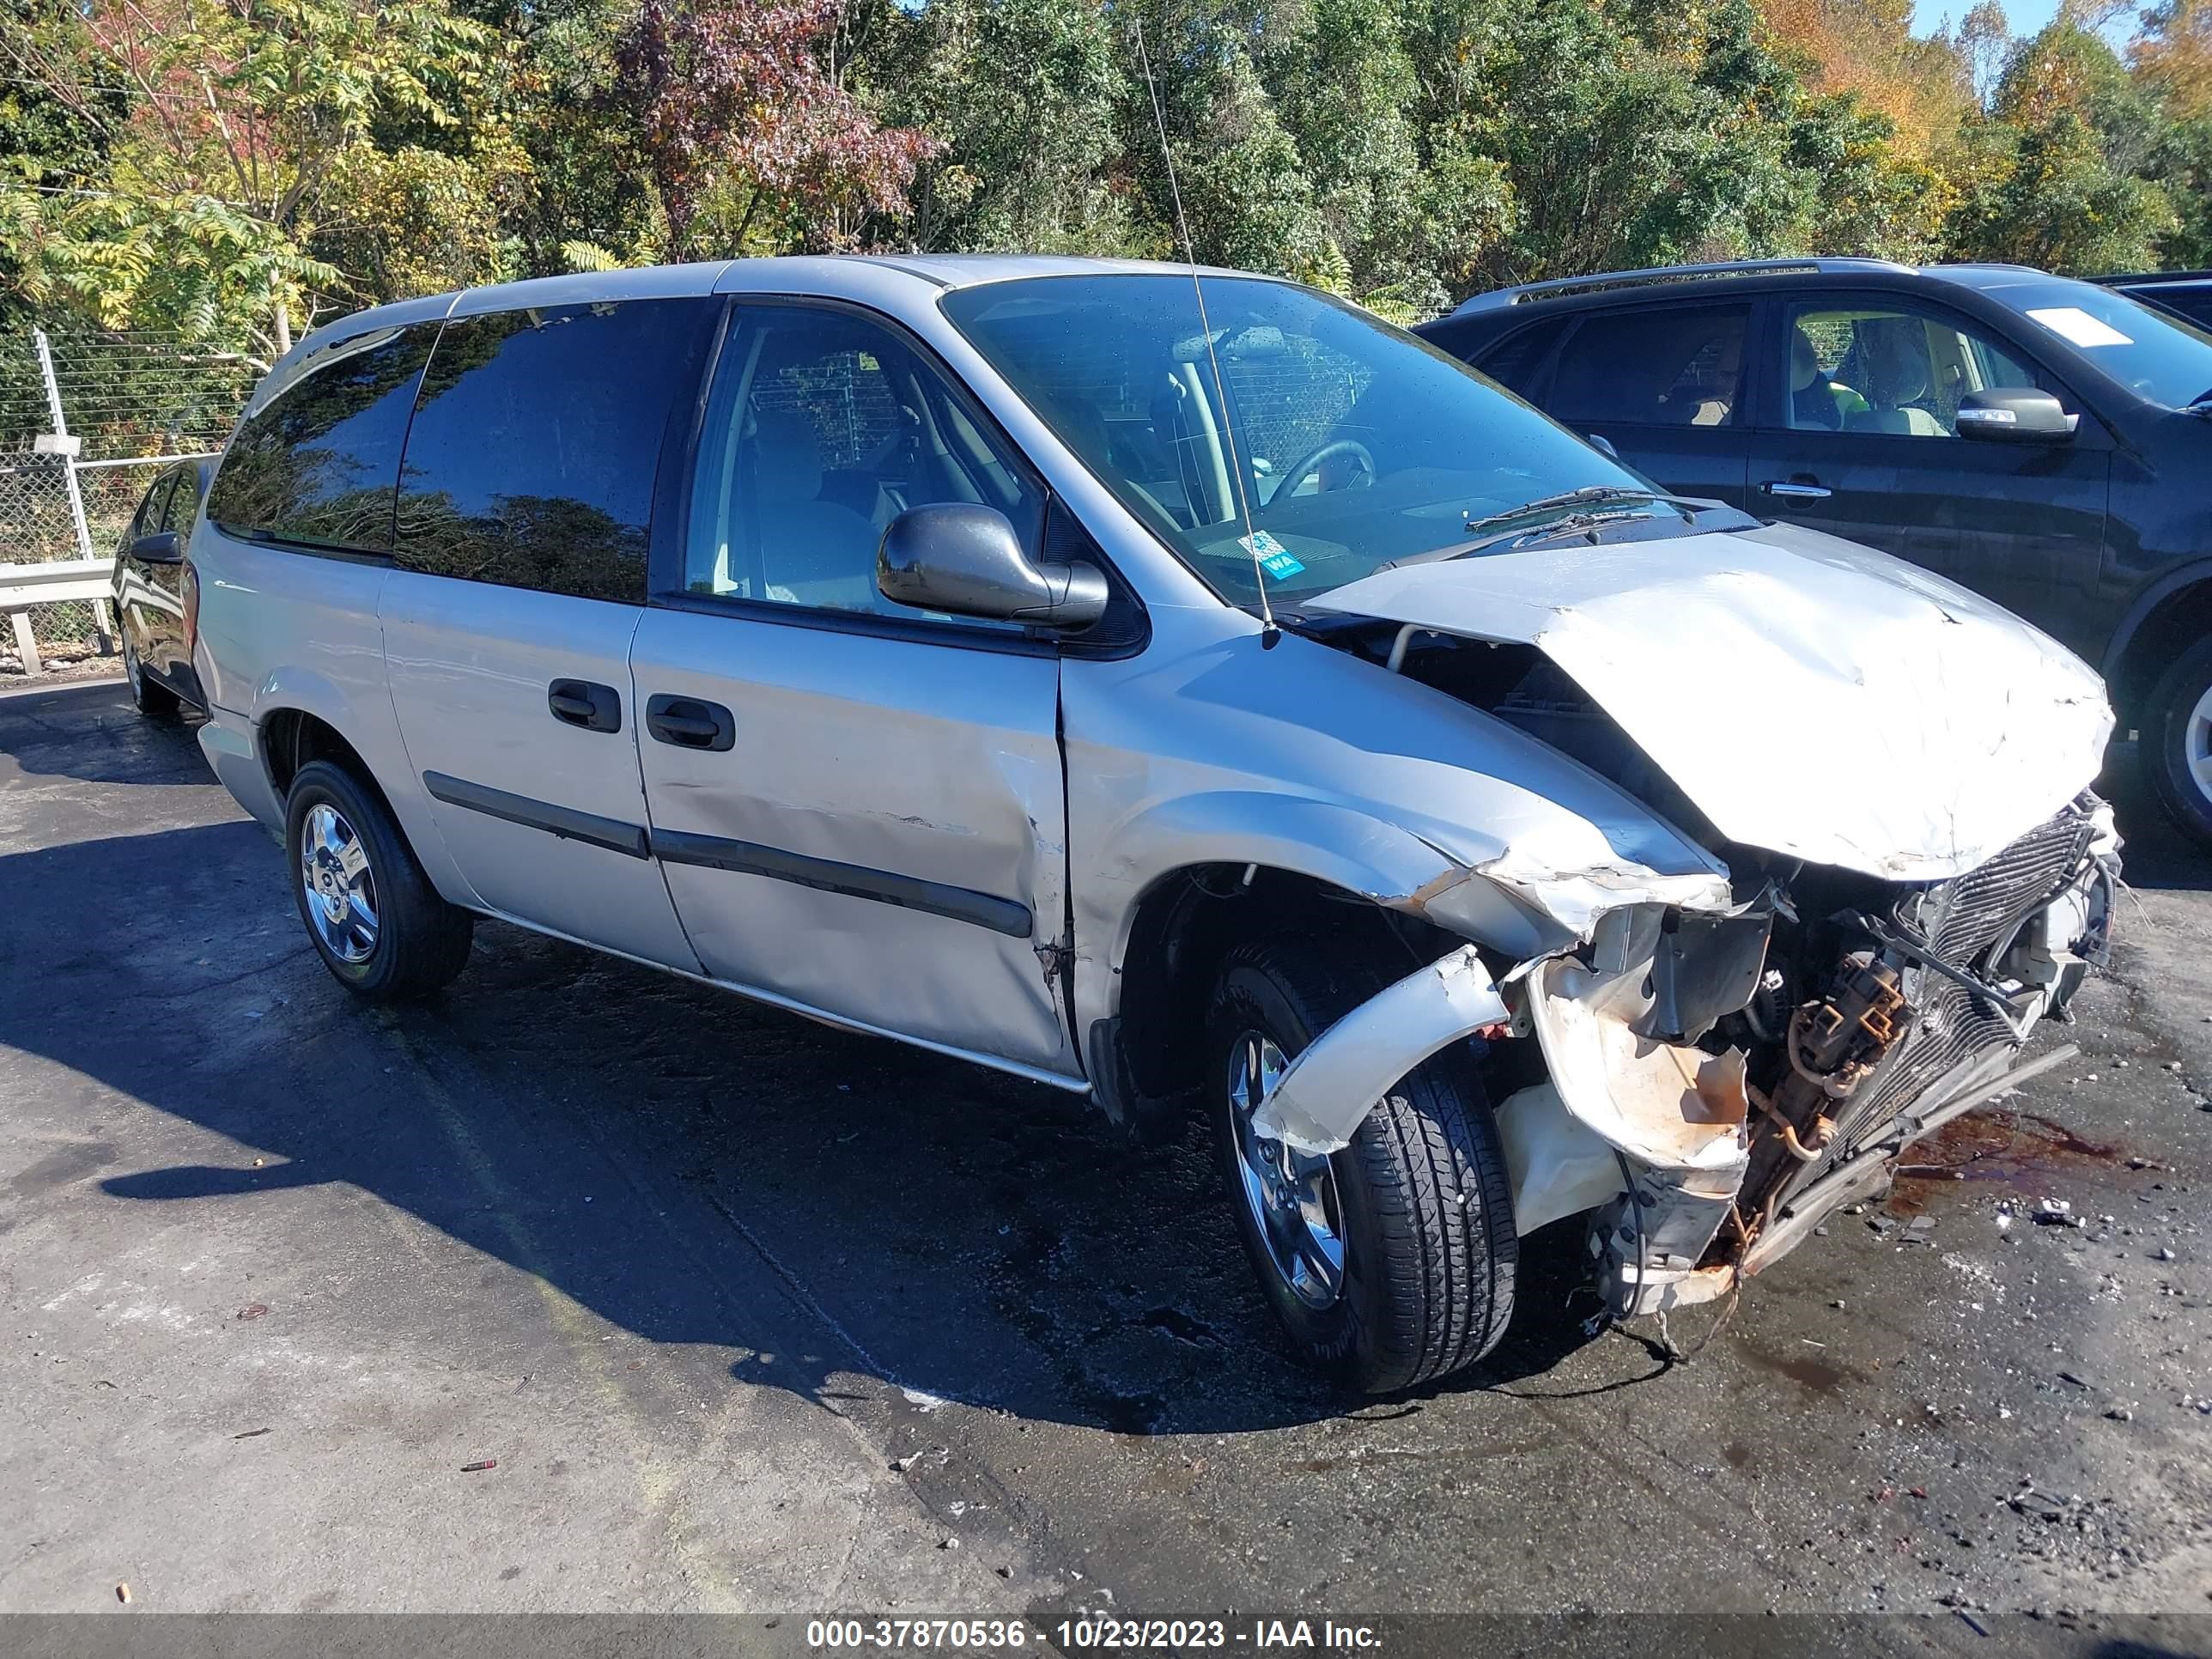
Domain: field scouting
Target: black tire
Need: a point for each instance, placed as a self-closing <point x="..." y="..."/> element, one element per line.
<point x="151" y="698"/>
<point x="420" y="941"/>
<point x="2171" y="738"/>
<point x="1426" y="1200"/>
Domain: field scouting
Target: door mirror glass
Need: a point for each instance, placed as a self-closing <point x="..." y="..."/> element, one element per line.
<point x="163" y="547"/>
<point x="2013" y="416"/>
<point x="967" y="561"/>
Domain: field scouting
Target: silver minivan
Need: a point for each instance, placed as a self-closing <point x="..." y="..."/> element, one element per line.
<point x="1191" y="692"/>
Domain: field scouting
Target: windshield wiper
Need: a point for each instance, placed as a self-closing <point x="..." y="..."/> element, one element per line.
<point x="1573" y="523"/>
<point x="1590" y="495"/>
<point x="1613" y="495"/>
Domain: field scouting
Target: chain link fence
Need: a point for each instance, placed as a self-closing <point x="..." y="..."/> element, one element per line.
<point x="87" y="421"/>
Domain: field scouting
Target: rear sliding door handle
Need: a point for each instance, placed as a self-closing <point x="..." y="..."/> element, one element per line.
<point x="690" y="722"/>
<point x="1796" y="491"/>
<point x="587" y="703"/>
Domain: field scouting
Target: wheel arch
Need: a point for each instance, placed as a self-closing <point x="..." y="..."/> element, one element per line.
<point x="1150" y="938"/>
<point x="301" y="719"/>
<point x="1180" y="929"/>
<point x="293" y="738"/>
<point x="2164" y="618"/>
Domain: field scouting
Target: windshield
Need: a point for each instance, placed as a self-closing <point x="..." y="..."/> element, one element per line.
<point x="1355" y="444"/>
<point x="2161" y="357"/>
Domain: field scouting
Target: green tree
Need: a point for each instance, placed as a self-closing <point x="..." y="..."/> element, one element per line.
<point x="1021" y="98"/>
<point x="242" y="126"/>
<point x="2056" y="174"/>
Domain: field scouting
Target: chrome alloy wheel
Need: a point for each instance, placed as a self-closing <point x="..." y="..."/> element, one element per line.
<point x="339" y="886"/>
<point x="2196" y="745"/>
<point x="1293" y="1196"/>
<point x="132" y="673"/>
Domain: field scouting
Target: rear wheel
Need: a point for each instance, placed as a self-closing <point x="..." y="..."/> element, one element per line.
<point x="1390" y="1263"/>
<point x="378" y="924"/>
<point x="152" y="699"/>
<point x="2177" y="744"/>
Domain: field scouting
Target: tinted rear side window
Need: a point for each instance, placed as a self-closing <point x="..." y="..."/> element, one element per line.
<point x="318" y="465"/>
<point x="1518" y="361"/>
<point x="536" y="442"/>
<point x="1672" y="365"/>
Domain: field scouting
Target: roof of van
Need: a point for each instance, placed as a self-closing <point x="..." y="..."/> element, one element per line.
<point x="941" y="270"/>
<point x="787" y="273"/>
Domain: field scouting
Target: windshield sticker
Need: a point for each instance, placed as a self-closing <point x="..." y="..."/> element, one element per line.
<point x="2072" y="322"/>
<point x="1274" y="558"/>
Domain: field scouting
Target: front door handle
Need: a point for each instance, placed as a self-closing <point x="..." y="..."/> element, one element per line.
<point x="690" y="722"/>
<point x="587" y="703"/>
<point x="1797" y="489"/>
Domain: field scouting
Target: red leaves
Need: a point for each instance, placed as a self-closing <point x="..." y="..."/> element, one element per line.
<point x="736" y="93"/>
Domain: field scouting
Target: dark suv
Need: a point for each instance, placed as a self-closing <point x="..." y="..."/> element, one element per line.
<point x="1836" y="394"/>
<point x="2188" y="292"/>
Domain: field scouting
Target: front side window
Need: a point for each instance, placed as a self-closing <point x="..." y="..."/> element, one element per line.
<point x="1672" y="365"/>
<point x="822" y="428"/>
<point x="1349" y="443"/>
<point x="1888" y="369"/>
<point x="536" y="442"/>
<point x="317" y="466"/>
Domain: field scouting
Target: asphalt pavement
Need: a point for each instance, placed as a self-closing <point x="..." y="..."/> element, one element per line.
<point x="747" y="1315"/>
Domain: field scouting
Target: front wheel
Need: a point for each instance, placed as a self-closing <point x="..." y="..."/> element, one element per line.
<point x="1390" y="1263"/>
<point x="378" y="924"/>
<point x="2177" y="742"/>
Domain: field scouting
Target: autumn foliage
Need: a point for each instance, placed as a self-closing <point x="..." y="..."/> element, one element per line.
<point x="235" y="169"/>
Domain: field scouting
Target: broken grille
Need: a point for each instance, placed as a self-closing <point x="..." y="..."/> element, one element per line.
<point x="1962" y="920"/>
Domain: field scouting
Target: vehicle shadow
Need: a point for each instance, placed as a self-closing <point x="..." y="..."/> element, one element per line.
<point x="644" y="1144"/>
<point x="959" y="1233"/>
<point x="88" y="730"/>
<point x="2157" y="853"/>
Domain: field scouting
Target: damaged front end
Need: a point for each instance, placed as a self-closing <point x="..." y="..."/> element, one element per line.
<point x="1709" y="1085"/>
<point x="1873" y="1013"/>
<point x="1709" y="1066"/>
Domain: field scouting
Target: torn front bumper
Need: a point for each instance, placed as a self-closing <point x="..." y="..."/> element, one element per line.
<point x="1923" y="1017"/>
<point x="1320" y="1100"/>
<point x="1705" y="1138"/>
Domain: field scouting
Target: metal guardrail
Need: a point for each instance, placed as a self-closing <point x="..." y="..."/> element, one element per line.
<point x="22" y="586"/>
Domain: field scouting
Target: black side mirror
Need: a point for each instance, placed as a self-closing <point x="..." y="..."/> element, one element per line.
<point x="2014" y="415"/>
<point x="163" y="547"/>
<point x="966" y="560"/>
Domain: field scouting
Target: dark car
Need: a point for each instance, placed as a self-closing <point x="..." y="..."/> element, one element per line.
<point x="1835" y="394"/>
<point x="2187" y="292"/>
<point x="149" y="590"/>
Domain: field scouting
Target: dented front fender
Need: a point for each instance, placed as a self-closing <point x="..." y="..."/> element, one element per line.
<point x="1318" y="1103"/>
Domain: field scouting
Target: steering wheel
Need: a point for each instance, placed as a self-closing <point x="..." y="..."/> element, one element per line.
<point x="1293" y="475"/>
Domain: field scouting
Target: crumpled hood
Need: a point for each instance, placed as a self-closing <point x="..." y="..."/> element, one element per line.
<point x="1811" y="696"/>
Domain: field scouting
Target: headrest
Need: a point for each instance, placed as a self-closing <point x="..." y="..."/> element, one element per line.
<point x="787" y="452"/>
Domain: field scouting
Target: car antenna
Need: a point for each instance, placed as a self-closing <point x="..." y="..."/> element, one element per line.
<point x="1269" y="631"/>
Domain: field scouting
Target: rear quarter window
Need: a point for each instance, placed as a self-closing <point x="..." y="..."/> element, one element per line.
<point x="537" y="442"/>
<point x="318" y="466"/>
